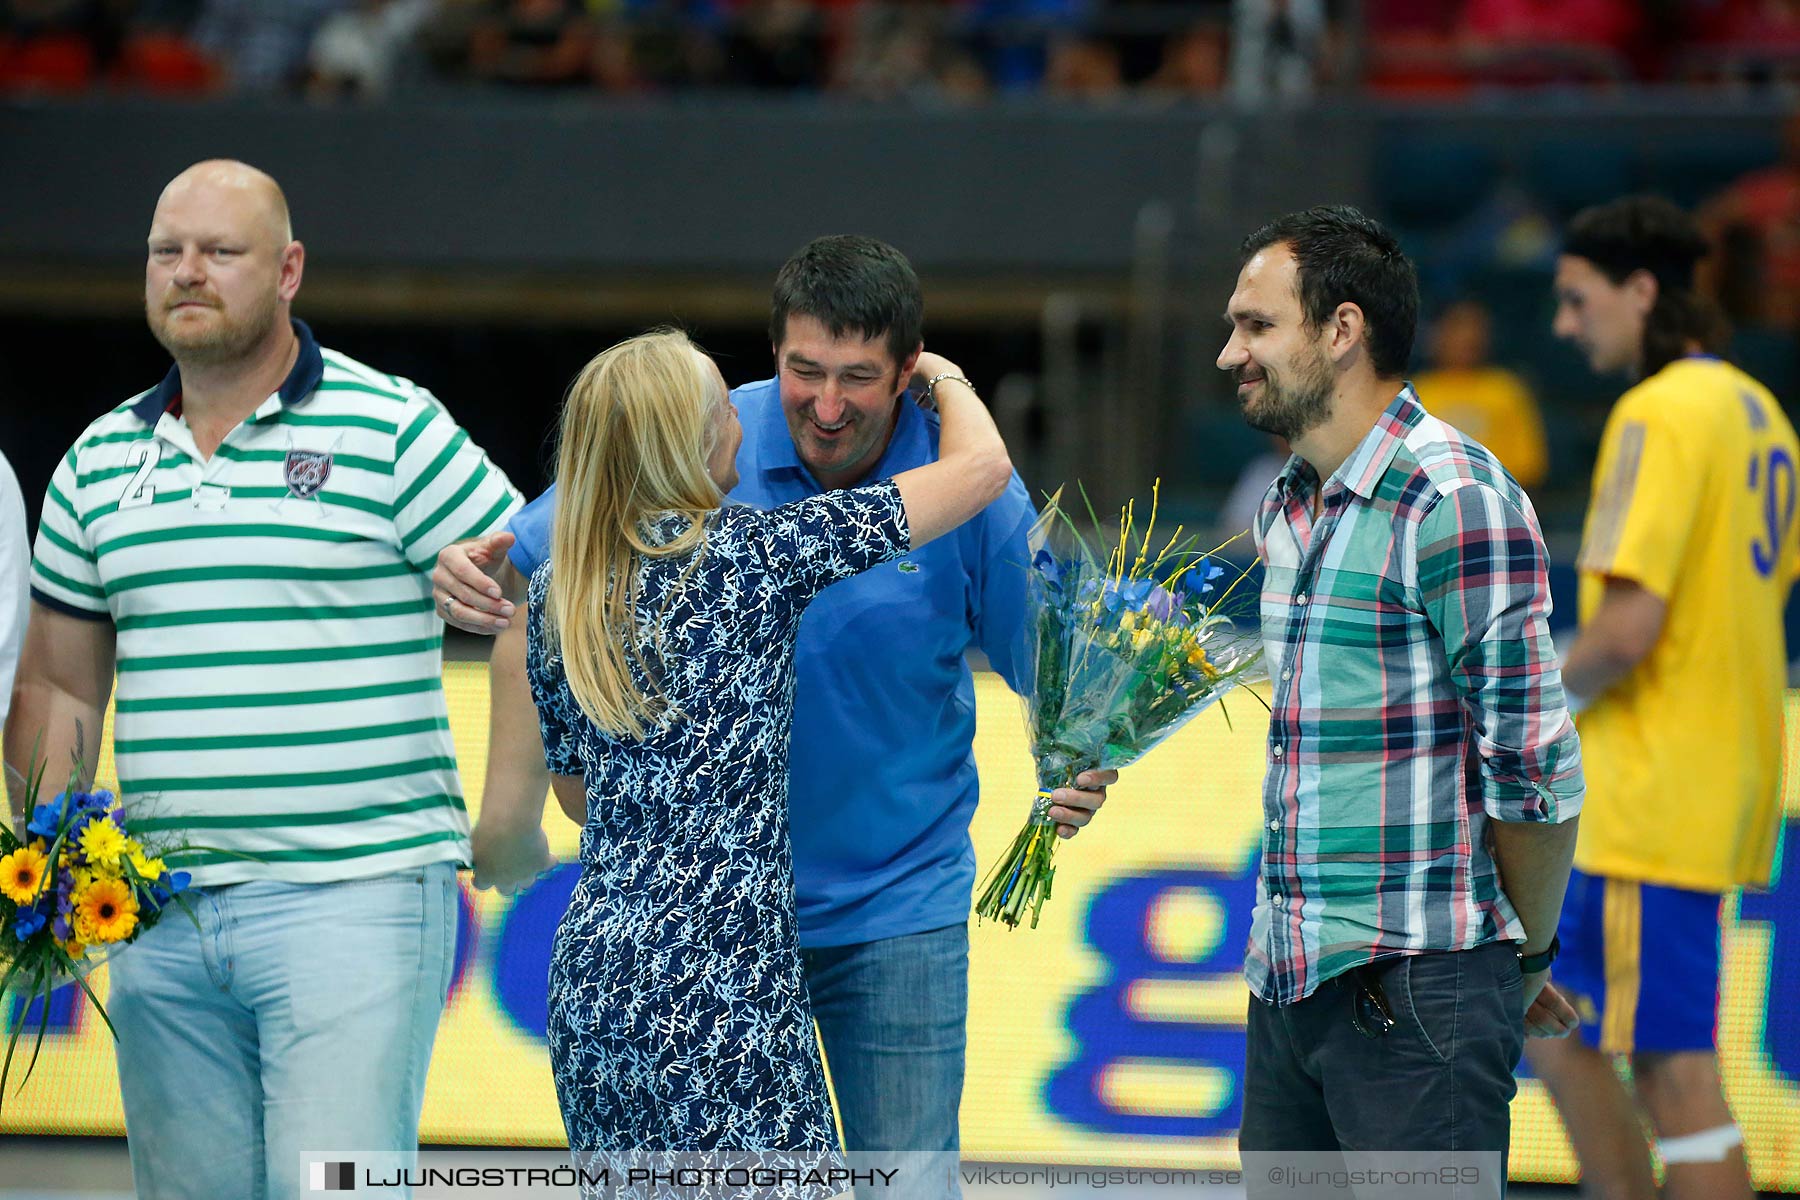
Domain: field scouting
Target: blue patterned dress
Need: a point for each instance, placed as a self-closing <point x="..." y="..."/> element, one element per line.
<point x="678" y="1010"/>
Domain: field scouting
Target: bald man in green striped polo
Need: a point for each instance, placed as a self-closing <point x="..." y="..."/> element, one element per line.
<point x="247" y="546"/>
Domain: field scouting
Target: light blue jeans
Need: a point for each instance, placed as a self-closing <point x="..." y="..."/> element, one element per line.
<point x="893" y="1015"/>
<point x="296" y="1018"/>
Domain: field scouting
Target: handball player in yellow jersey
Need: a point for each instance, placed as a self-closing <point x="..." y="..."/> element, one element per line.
<point x="1679" y="670"/>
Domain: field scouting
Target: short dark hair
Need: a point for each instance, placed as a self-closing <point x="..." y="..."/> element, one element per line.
<point x="1341" y="256"/>
<point x="1649" y="233"/>
<point x="851" y="284"/>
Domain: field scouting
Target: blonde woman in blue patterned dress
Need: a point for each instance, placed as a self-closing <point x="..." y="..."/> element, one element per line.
<point x="661" y="636"/>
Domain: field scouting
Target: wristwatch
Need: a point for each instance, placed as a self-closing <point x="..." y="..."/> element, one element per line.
<point x="1531" y="964"/>
<point x="928" y="398"/>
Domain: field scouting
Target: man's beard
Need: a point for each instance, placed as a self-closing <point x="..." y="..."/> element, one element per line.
<point x="1291" y="410"/>
<point x="227" y="340"/>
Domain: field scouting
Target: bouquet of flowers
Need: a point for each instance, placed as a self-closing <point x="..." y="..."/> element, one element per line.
<point x="1119" y="655"/>
<point x="76" y="886"/>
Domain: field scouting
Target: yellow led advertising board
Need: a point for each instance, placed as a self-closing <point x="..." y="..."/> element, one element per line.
<point x="1112" y="1034"/>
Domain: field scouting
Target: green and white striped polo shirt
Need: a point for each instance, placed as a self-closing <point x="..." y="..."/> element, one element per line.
<point x="279" y="694"/>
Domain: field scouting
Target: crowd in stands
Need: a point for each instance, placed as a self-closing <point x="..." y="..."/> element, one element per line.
<point x="1428" y="47"/>
<point x="933" y="50"/>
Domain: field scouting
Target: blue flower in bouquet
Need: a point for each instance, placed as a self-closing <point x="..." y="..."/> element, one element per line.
<point x="27" y="921"/>
<point x="1047" y="566"/>
<point x="62" y="926"/>
<point x="47" y="818"/>
<point x="1129" y="593"/>
<point x="177" y="883"/>
<point x="1199" y="578"/>
<point x="75" y="809"/>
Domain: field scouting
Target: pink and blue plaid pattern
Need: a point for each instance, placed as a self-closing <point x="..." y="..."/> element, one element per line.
<point x="1415" y="698"/>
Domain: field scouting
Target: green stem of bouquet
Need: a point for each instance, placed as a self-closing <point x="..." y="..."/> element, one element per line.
<point x="1022" y="879"/>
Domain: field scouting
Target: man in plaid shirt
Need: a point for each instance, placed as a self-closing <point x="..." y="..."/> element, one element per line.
<point x="1423" y="771"/>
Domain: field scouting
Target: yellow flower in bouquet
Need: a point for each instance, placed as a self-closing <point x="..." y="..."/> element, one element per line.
<point x="106" y="910"/>
<point x="22" y="873"/>
<point x="147" y="868"/>
<point x="102" y="842"/>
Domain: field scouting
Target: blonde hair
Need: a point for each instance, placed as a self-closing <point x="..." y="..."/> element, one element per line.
<point x="637" y="427"/>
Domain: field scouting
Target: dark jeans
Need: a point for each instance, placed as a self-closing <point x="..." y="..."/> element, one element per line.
<point x="1441" y="1079"/>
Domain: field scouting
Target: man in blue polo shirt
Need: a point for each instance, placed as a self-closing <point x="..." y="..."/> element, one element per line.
<point x="883" y="782"/>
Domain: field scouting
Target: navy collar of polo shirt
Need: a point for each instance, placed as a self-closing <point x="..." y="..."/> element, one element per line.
<point x="1362" y="471"/>
<point x="910" y="441"/>
<point x="301" y="381"/>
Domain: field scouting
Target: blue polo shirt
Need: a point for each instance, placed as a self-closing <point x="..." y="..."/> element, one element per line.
<point x="882" y="780"/>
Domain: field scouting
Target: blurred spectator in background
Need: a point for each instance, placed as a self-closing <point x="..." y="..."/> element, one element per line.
<point x="893" y="50"/>
<point x="616" y="66"/>
<point x="531" y="43"/>
<point x="1756" y="224"/>
<point x="55" y="45"/>
<point x="1193" y="64"/>
<point x="1083" y="68"/>
<point x="1276" y="49"/>
<point x="1410" y="48"/>
<point x="1751" y="41"/>
<point x="157" y="55"/>
<point x="1759" y="22"/>
<point x="1489" y="403"/>
<point x="1015" y="35"/>
<point x="1533" y="43"/>
<point x="357" y="51"/>
<point x="1601" y="24"/>
<point x="1511" y="229"/>
<point x="262" y="44"/>
<point x="671" y="43"/>
<point x="776" y="44"/>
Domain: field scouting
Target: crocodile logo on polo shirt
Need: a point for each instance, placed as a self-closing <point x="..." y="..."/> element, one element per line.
<point x="307" y="471"/>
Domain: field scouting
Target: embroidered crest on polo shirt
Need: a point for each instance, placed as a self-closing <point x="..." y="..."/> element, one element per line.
<point x="307" y="471"/>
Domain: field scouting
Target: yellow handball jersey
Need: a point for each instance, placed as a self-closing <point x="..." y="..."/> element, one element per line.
<point x="1694" y="499"/>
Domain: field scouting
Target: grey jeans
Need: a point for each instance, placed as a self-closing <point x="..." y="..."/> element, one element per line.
<point x="1440" y="1079"/>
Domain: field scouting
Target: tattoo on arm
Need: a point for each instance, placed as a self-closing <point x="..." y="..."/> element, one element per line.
<point x="80" y="755"/>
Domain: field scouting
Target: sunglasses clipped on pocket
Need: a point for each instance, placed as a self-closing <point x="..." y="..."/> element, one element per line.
<point x="1369" y="1010"/>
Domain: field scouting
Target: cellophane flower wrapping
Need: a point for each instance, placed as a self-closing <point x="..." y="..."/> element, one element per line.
<point x="1122" y="649"/>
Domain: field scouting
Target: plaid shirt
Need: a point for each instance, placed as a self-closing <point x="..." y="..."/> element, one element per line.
<point x="1415" y="698"/>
